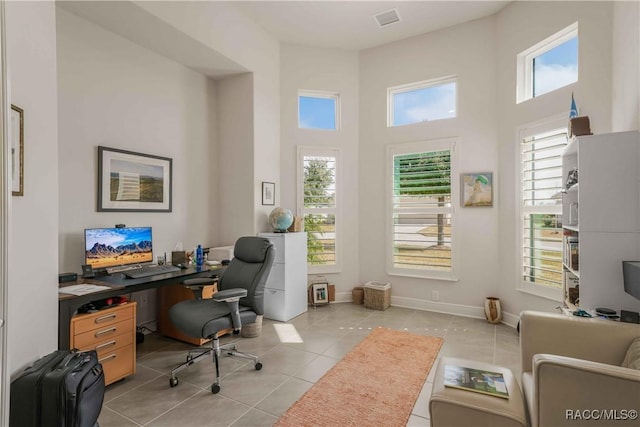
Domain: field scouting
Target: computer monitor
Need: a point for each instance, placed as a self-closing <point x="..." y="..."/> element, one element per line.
<point x="631" y="276"/>
<point x="112" y="247"/>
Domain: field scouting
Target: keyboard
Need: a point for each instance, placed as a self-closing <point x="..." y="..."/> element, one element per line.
<point x="150" y="270"/>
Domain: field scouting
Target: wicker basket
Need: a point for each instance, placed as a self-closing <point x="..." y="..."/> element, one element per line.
<point x="377" y="295"/>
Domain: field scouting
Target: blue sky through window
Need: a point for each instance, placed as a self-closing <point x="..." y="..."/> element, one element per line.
<point x="317" y="113"/>
<point x="556" y="68"/>
<point x="424" y="104"/>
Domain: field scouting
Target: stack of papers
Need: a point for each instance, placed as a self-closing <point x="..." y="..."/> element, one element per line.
<point x="82" y="289"/>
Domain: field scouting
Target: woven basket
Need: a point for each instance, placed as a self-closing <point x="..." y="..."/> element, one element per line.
<point x="377" y="296"/>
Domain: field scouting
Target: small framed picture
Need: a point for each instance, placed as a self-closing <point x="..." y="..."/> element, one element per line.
<point x="477" y="189"/>
<point x="320" y="293"/>
<point x="268" y="193"/>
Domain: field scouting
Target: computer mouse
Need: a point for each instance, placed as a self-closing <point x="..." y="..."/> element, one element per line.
<point x="181" y="266"/>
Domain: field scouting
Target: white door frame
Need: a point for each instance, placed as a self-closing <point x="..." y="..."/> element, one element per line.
<point x="5" y="209"/>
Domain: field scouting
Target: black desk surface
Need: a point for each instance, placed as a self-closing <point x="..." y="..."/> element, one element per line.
<point x="119" y="285"/>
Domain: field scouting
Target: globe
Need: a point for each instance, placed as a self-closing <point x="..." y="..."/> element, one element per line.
<point x="280" y="219"/>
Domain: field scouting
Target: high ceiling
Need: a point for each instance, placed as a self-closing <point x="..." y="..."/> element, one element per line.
<point x="351" y="25"/>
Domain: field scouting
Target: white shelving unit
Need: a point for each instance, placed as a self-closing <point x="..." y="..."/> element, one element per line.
<point x="602" y="212"/>
<point x="285" y="293"/>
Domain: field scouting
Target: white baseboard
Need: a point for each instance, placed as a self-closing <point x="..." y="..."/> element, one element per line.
<point x="438" y="307"/>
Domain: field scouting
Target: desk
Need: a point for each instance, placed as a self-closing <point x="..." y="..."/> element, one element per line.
<point x="119" y="284"/>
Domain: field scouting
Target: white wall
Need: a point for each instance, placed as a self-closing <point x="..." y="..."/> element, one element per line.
<point x="468" y="52"/>
<point x="329" y="70"/>
<point x="117" y="94"/>
<point x="625" y="111"/>
<point x="225" y="29"/>
<point x="32" y="326"/>
<point x="235" y="160"/>
<point x="519" y="26"/>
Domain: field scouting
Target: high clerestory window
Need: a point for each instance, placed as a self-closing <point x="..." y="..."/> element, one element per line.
<point x="421" y="102"/>
<point x="318" y="110"/>
<point x="548" y="65"/>
<point x="421" y="216"/>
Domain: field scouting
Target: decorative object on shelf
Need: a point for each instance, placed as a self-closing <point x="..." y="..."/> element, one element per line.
<point x="493" y="310"/>
<point x="477" y="189"/>
<point x="298" y="224"/>
<point x="16" y="136"/>
<point x="268" y="193"/>
<point x="280" y="219"/>
<point x="133" y="182"/>
<point x="572" y="178"/>
<point x="578" y="125"/>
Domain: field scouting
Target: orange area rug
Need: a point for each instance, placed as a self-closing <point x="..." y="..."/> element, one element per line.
<point x="377" y="383"/>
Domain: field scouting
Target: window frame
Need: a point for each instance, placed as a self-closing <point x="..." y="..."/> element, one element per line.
<point x="322" y="95"/>
<point x="409" y="87"/>
<point x="524" y="63"/>
<point x="423" y="147"/>
<point x="550" y="124"/>
<point x="307" y="150"/>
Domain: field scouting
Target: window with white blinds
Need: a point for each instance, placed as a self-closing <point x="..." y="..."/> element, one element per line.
<point x="541" y="209"/>
<point x="421" y="210"/>
<point x="318" y="204"/>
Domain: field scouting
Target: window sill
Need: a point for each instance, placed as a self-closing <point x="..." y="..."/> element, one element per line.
<point x="450" y="278"/>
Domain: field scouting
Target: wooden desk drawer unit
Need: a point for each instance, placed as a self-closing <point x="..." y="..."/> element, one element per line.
<point x="111" y="332"/>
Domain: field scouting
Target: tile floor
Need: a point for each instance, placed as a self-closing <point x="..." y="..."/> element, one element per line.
<point x="290" y="369"/>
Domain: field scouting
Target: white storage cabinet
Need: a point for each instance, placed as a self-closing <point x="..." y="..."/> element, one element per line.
<point x="285" y="294"/>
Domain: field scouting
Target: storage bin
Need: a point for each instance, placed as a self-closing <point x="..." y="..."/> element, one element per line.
<point x="377" y="295"/>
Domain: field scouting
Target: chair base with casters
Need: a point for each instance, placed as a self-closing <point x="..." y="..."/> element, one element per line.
<point x="239" y="301"/>
<point x="215" y="350"/>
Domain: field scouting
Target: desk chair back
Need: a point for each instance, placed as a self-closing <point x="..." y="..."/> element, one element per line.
<point x="249" y="269"/>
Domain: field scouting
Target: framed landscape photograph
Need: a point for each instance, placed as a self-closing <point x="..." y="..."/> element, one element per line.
<point x="16" y="137"/>
<point x="133" y="182"/>
<point x="477" y="189"/>
<point x="268" y="193"/>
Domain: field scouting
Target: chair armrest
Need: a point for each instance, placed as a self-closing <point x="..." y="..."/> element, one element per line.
<point x="229" y="295"/>
<point x="565" y="385"/>
<point x="594" y="339"/>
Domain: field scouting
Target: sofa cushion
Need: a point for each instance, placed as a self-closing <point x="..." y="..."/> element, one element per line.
<point x="632" y="359"/>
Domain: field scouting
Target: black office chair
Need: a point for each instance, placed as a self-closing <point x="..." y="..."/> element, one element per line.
<point x="239" y="300"/>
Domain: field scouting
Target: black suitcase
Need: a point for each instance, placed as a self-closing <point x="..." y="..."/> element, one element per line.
<point x="26" y="391"/>
<point x="68" y="393"/>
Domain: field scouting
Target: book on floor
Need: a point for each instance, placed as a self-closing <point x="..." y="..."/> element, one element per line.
<point x="477" y="380"/>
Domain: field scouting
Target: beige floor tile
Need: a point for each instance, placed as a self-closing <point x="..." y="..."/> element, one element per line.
<point x="284" y="396"/>
<point x="255" y="418"/>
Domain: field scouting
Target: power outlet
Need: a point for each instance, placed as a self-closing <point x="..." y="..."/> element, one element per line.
<point x="435" y="296"/>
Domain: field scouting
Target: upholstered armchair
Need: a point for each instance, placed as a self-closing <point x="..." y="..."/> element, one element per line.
<point x="571" y="371"/>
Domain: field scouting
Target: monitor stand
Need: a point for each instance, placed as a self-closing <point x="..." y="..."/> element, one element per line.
<point x="629" y="316"/>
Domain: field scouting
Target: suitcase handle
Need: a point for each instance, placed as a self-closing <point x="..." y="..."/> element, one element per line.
<point x="105" y="318"/>
<point x="109" y="357"/>
<point x="105" y="331"/>
<point x="107" y="344"/>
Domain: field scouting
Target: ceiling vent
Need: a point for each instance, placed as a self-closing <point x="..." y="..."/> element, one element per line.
<point x="387" y="18"/>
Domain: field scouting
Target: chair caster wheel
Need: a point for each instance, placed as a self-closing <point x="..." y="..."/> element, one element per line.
<point x="215" y="389"/>
<point x="173" y="382"/>
<point x="258" y="366"/>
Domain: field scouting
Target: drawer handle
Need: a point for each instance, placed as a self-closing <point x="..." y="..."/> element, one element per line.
<point x="106" y="331"/>
<point x="105" y="318"/>
<point x="107" y="344"/>
<point x="109" y="357"/>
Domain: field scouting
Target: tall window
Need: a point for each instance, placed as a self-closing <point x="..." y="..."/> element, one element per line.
<point x="422" y="102"/>
<point x="548" y="65"/>
<point x="421" y="213"/>
<point x="541" y="150"/>
<point x="318" y="203"/>
<point x="318" y="110"/>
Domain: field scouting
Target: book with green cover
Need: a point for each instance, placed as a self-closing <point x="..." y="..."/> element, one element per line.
<point x="480" y="381"/>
